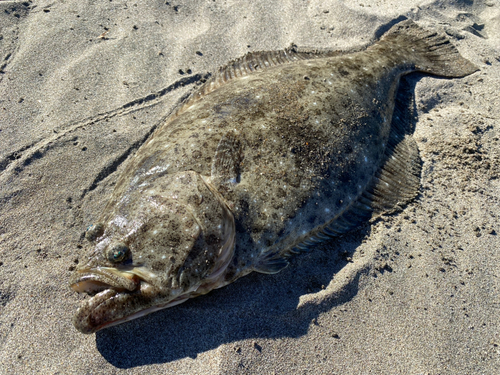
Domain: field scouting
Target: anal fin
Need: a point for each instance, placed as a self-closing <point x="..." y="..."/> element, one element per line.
<point x="398" y="180"/>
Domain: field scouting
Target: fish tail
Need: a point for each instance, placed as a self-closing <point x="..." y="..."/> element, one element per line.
<point x="431" y="52"/>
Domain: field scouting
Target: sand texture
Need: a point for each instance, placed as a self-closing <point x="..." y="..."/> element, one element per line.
<point x="82" y="86"/>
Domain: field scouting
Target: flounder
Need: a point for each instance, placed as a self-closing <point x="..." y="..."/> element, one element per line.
<point x="277" y="152"/>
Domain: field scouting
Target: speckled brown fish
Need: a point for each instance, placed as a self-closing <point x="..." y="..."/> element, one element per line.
<point x="277" y="152"/>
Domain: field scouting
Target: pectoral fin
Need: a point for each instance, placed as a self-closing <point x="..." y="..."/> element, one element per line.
<point x="227" y="161"/>
<point x="270" y="263"/>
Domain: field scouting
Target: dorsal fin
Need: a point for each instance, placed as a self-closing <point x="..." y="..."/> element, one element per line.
<point x="254" y="62"/>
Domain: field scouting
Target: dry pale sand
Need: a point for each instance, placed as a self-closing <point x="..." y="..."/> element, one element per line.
<point x="83" y="84"/>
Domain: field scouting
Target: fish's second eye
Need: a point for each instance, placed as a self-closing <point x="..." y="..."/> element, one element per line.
<point x="117" y="252"/>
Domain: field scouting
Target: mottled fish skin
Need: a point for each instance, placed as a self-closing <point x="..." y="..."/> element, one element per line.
<point x="262" y="162"/>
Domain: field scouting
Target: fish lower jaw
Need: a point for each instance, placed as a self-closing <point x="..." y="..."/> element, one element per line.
<point x="112" y="304"/>
<point x="109" y="307"/>
<point x="140" y="314"/>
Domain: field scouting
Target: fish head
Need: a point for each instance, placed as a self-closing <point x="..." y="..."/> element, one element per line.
<point x="159" y="245"/>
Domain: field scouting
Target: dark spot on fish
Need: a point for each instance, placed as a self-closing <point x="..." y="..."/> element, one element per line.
<point x="185" y="180"/>
<point x="194" y="200"/>
<point x="281" y="193"/>
<point x="212" y="239"/>
<point x="240" y="228"/>
<point x="158" y="266"/>
<point x="255" y="115"/>
<point x="375" y="114"/>
<point x="345" y="177"/>
<point x="257" y="227"/>
<point x="230" y="274"/>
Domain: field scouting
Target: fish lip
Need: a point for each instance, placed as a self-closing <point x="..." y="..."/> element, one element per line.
<point x="98" y="312"/>
<point x="89" y="280"/>
<point x="110" y="286"/>
<point x="82" y="319"/>
<point x="106" y="284"/>
<point x="84" y="313"/>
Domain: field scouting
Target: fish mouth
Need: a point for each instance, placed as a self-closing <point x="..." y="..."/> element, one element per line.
<point x="92" y="280"/>
<point x="102" y="306"/>
<point x="117" y="295"/>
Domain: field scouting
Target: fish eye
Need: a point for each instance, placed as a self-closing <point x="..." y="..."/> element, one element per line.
<point x="117" y="252"/>
<point x="94" y="231"/>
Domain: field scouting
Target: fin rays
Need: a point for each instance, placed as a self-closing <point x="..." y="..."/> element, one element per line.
<point x="250" y="63"/>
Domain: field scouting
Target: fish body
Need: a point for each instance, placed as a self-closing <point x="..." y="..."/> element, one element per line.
<point x="277" y="152"/>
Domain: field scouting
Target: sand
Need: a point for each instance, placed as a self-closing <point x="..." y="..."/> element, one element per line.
<point x="83" y="84"/>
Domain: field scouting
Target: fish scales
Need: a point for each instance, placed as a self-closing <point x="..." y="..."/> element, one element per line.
<point x="279" y="151"/>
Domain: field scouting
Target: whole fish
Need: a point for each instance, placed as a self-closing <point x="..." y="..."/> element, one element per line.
<point x="277" y="152"/>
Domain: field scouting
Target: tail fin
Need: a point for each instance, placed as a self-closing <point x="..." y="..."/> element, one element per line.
<point x="432" y="53"/>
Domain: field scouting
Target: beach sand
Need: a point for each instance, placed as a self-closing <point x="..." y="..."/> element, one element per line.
<point x="84" y="83"/>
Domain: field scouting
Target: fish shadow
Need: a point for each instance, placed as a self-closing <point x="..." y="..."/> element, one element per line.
<point x="255" y="306"/>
